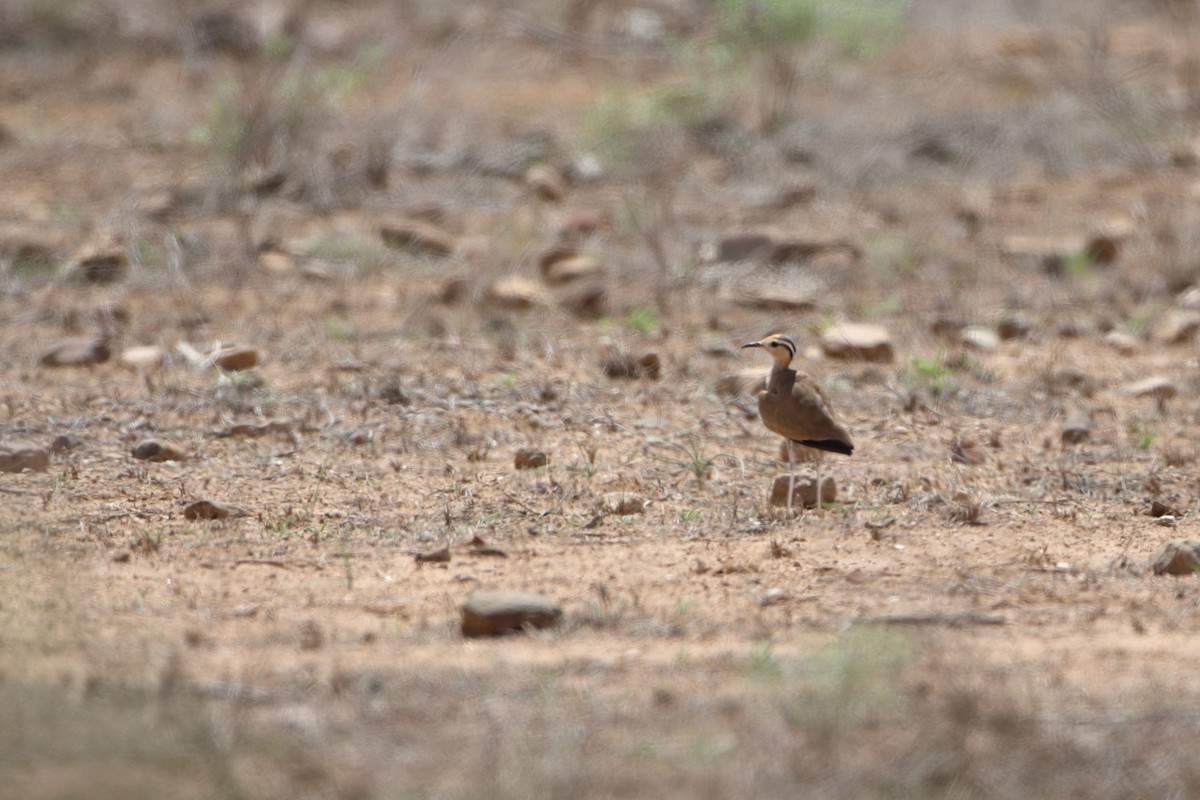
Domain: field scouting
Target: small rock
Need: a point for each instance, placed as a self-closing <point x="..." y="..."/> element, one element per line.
<point x="622" y="504"/>
<point x="142" y="359"/>
<point x="1177" y="326"/>
<point x="580" y="223"/>
<point x="76" y="351"/>
<point x="1157" y="387"/>
<point x="626" y="366"/>
<point x="310" y="636"/>
<point x="1124" y="343"/>
<point x="747" y="381"/>
<point x="414" y="235"/>
<point x="804" y="495"/>
<point x="277" y="262"/>
<point x="153" y="450"/>
<point x="1014" y="326"/>
<point x="207" y="509"/>
<point x="494" y="613"/>
<point x="860" y="341"/>
<point x="21" y="456"/>
<point x="454" y="290"/>
<point x="64" y="442"/>
<point x="546" y="182"/>
<point x="530" y="458"/>
<point x="967" y="450"/>
<point x="1177" y="557"/>
<point x="948" y="327"/>
<point x="1077" y="427"/>
<point x="776" y="297"/>
<point x="980" y="339"/>
<point x="236" y="358"/>
<point x="568" y="270"/>
<point x="1160" y="509"/>
<point x="439" y="556"/>
<point x="587" y="301"/>
<point x="1189" y="298"/>
<point x="773" y="597"/>
<point x="98" y="263"/>
<point x="743" y="247"/>
<point x="517" y="293"/>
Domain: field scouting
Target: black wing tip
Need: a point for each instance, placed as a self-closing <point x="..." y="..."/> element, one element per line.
<point x="832" y="445"/>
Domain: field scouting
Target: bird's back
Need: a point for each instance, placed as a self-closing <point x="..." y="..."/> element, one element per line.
<point x="796" y="408"/>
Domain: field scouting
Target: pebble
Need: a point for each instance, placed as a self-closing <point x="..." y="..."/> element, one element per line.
<point x="207" y="509"/>
<point x="438" y="556"/>
<point x="980" y="339"/>
<point x="1014" y="326"/>
<point x="76" y="351"/>
<point x="1177" y="326"/>
<point x="236" y="358"/>
<point x="622" y="504"/>
<point x="546" y="182"/>
<point x="627" y="366"/>
<point x="966" y="449"/>
<point x="805" y="492"/>
<point x="1077" y="427"/>
<point x="587" y="301"/>
<point x="569" y="270"/>
<point x="1177" y="557"/>
<point x="776" y="297"/>
<point x="517" y="293"/>
<point x="99" y="263"/>
<point x="530" y="458"/>
<point x="858" y="341"/>
<point x="142" y="359"/>
<point x="1124" y="343"/>
<point x="491" y="613"/>
<point x="404" y="233"/>
<point x="21" y="456"/>
<point x="154" y="450"/>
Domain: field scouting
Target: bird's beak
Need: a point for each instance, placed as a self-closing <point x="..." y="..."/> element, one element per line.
<point x="752" y="344"/>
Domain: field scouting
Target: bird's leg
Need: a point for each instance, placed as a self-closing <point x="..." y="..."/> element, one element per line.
<point x="820" y="483"/>
<point x="791" y="475"/>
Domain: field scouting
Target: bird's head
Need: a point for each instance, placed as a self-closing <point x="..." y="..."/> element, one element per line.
<point x="780" y="347"/>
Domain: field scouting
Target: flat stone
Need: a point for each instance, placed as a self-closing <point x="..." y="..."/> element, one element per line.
<point x="154" y="450"/>
<point x="1014" y="326"/>
<point x="417" y="236"/>
<point x="98" y="263"/>
<point x="1124" y="343"/>
<point x="1177" y="326"/>
<point x="586" y="301"/>
<point x="776" y="297"/>
<point x="804" y="493"/>
<point x="491" y="613"/>
<point x="207" y="509"/>
<point x="569" y="270"/>
<point x="1158" y="387"/>
<point x="622" y="504"/>
<point x="517" y="293"/>
<point x="980" y="339"/>
<point x="236" y="358"/>
<point x="858" y="341"/>
<point x="20" y="456"/>
<point x="1177" y="557"/>
<point x="1077" y="427"/>
<point x="142" y="359"/>
<point x="627" y="366"/>
<point x="1189" y="298"/>
<point x="546" y="182"/>
<point x="530" y="458"/>
<point x="76" y="351"/>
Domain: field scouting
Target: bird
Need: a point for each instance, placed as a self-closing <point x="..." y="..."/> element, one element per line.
<point x="796" y="408"/>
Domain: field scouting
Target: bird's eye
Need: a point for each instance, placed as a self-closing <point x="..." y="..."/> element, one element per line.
<point x="774" y="344"/>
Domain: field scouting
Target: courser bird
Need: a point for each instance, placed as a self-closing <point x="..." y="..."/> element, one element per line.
<point x="796" y="408"/>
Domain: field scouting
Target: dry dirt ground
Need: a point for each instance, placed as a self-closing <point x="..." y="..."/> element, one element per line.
<point x="980" y="628"/>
